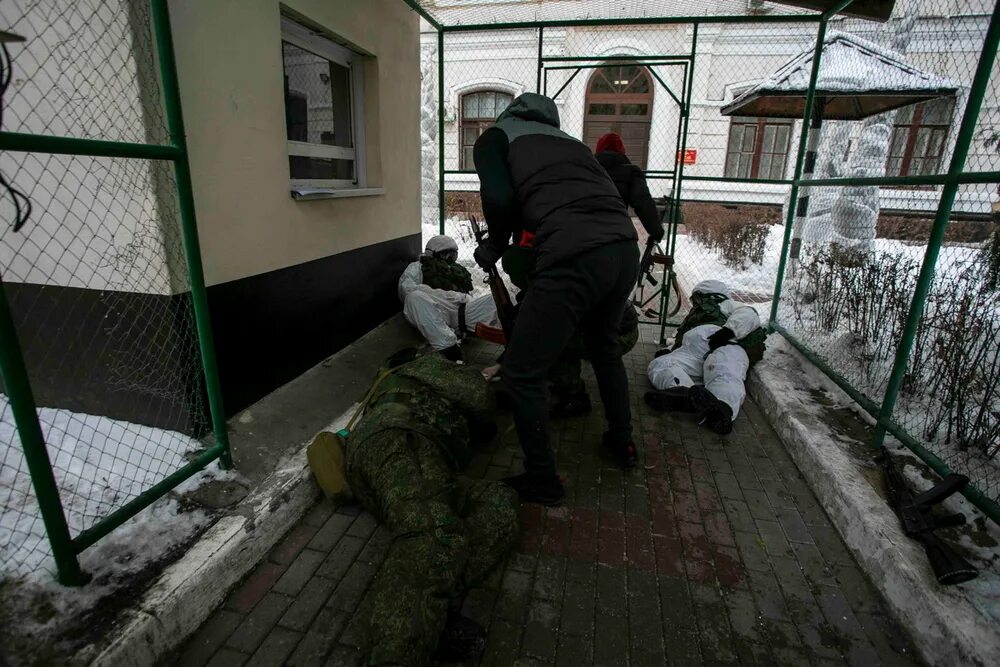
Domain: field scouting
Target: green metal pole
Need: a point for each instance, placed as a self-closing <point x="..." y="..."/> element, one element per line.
<point x="685" y="110"/>
<point x="635" y="21"/>
<point x="415" y="6"/>
<point x="90" y="536"/>
<point x="22" y="406"/>
<point x="40" y="143"/>
<point x="793" y="195"/>
<point x="541" y="64"/>
<point x="963" y="141"/>
<point x="189" y="225"/>
<point x="440" y="131"/>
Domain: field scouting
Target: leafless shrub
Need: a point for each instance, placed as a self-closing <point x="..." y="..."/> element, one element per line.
<point x="739" y="243"/>
<point x="952" y="381"/>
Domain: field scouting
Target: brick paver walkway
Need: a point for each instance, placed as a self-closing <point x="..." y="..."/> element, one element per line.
<point x="713" y="551"/>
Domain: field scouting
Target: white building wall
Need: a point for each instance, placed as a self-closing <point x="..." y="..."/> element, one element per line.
<point x="947" y="40"/>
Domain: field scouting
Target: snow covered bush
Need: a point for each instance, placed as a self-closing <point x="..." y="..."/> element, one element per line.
<point x="951" y="390"/>
<point x="740" y="244"/>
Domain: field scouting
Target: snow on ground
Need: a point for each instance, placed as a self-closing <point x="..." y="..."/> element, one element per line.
<point x="99" y="464"/>
<point x="695" y="262"/>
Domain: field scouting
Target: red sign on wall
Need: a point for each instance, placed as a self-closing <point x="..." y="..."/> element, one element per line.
<point x="689" y="156"/>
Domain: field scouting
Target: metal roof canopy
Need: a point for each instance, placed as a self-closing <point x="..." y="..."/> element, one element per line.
<point x="856" y="79"/>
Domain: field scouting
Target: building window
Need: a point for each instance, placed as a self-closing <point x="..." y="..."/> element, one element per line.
<point x="323" y="109"/>
<point x="758" y="147"/>
<point x="919" y="134"/>
<point x="479" y="111"/>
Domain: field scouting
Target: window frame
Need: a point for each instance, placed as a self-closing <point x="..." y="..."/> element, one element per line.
<point x="755" y="157"/>
<point x="479" y="122"/>
<point x="912" y="129"/>
<point x="318" y="43"/>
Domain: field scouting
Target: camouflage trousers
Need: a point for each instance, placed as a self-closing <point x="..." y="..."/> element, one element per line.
<point x="449" y="533"/>
<point x="565" y="376"/>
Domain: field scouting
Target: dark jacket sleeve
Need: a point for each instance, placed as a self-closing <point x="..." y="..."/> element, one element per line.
<point x="642" y="203"/>
<point x="495" y="186"/>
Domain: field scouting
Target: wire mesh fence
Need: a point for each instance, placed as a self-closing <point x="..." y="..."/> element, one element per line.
<point x="850" y="286"/>
<point x="97" y="280"/>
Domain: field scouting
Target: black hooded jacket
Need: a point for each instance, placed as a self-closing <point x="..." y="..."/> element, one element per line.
<point x="631" y="185"/>
<point x="536" y="178"/>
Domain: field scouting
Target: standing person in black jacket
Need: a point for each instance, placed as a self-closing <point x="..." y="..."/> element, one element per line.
<point x="546" y="190"/>
<point x="630" y="182"/>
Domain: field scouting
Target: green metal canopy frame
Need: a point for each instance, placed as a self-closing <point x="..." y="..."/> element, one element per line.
<point x="871" y="9"/>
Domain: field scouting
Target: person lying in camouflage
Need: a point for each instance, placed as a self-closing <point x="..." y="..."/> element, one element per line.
<point x="450" y="532"/>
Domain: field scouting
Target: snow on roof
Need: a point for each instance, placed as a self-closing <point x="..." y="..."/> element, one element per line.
<point x="851" y="68"/>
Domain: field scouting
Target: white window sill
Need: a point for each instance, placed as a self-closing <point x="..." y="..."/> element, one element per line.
<point x="308" y="194"/>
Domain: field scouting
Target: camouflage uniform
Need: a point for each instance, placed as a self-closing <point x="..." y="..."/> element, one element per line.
<point x="450" y="532"/>
<point x="565" y="375"/>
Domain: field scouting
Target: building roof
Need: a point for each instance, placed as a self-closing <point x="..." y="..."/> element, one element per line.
<point x="856" y="79"/>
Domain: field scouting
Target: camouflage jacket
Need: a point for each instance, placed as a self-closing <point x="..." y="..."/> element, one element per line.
<point x="442" y="274"/>
<point x="429" y="395"/>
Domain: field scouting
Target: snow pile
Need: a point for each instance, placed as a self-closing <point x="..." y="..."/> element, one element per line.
<point x="99" y="464"/>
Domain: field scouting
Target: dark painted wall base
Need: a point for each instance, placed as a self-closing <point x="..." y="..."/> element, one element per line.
<point x="272" y="327"/>
<point x="135" y="357"/>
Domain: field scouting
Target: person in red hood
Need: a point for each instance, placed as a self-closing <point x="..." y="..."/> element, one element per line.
<point x="629" y="181"/>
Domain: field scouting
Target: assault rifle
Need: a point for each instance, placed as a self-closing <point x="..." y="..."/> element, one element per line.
<point x="505" y="307"/>
<point x="646" y="263"/>
<point x="919" y="522"/>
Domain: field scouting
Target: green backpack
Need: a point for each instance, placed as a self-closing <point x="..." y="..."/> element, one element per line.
<point x="440" y="273"/>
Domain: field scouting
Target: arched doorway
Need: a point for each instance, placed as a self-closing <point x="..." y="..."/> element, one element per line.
<point x="620" y="99"/>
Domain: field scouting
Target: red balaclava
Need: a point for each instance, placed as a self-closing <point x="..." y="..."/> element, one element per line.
<point x="610" y="142"/>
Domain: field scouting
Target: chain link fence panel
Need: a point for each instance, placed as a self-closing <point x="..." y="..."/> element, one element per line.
<point x="96" y="279"/>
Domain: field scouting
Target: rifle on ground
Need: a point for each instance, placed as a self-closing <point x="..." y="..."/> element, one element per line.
<point x="505" y="307"/>
<point x="915" y="512"/>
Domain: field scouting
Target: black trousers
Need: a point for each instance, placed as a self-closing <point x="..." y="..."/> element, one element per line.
<point x="589" y="291"/>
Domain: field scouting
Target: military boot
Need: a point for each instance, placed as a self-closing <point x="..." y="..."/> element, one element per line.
<point x="531" y="489"/>
<point x="671" y="399"/>
<point x="626" y="455"/>
<point x="462" y="639"/>
<point x="712" y="413"/>
<point x="573" y="405"/>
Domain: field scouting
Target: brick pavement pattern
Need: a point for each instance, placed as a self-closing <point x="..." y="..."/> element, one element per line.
<point x="713" y="551"/>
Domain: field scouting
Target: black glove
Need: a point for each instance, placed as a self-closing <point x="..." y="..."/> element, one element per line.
<point x="487" y="255"/>
<point x="720" y="338"/>
<point x="657" y="236"/>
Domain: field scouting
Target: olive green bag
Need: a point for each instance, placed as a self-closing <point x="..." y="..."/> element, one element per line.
<point x="327" y="459"/>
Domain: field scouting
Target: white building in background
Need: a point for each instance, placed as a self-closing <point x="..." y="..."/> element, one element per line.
<point x="485" y="69"/>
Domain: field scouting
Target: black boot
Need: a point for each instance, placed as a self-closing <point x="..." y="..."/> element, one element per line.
<point x="538" y="490"/>
<point x="627" y="455"/>
<point x="461" y="639"/>
<point x="671" y="399"/>
<point x="453" y="353"/>
<point x="712" y="413"/>
<point x="573" y="405"/>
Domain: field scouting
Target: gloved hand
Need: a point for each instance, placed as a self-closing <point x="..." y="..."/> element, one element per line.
<point x="720" y="338"/>
<point x="658" y="235"/>
<point x="487" y="255"/>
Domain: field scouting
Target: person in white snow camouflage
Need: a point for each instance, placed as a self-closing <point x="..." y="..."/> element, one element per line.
<point x="436" y="292"/>
<point x="705" y="370"/>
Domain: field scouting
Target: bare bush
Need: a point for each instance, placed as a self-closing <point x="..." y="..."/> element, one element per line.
<point x="952" y="383"/>
<point x="740" y="244"/>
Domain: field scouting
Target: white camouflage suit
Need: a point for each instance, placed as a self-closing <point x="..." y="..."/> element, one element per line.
<point x="723" y="370"/>
<point x="434" y="312"/>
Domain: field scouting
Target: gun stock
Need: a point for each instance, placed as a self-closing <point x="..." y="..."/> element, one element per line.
<point x="915" y="512"/>
<point x="501" y="297"/>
